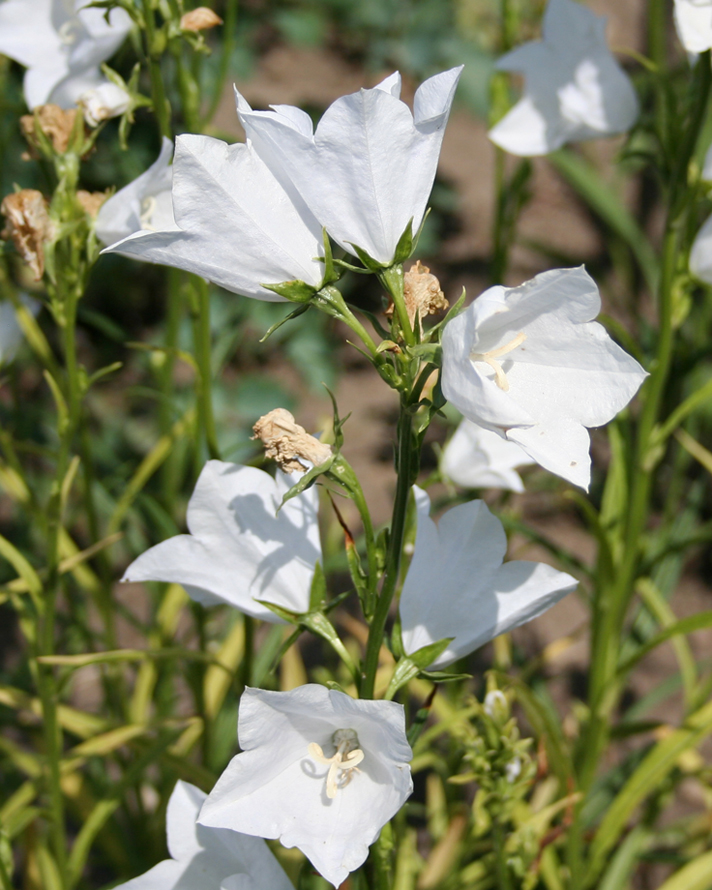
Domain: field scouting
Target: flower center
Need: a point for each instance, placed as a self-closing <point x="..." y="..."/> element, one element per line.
<point x="344" y="762"/>
<point x="69" y="32"/>
<point x="148" y="208"/>
<point x="500" y="378"/>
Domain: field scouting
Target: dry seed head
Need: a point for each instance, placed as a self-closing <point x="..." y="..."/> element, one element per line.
<point x="200" y="19"/>
<point x="288" y="443"/>
<point x="28" y="225"/>
<point x="421" y="293"/>
<point x="55" y="122"/>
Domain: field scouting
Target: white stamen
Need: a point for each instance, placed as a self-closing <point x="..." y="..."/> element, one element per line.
<point x="148" y="208"/>
<point x="69" y="32"/>
<point x="500" y="378"/>
<point x="343" y="764"/>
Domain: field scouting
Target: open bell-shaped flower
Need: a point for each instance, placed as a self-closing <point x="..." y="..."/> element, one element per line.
<point x="458" y="587"/>
<point x="693" y="22"/>
<point x="478" y="458"/>
<point x="240" y="549"/>
<point x="530" y="363"/>
<point x="367" y="172"/>
<point x="574" y="88"/>
<point x="208" y="858"/>
<point x="318" y="770"/>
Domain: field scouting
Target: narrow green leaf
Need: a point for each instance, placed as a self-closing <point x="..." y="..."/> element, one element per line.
<point x="696" y="875"/>
<point x="683" y="626"/>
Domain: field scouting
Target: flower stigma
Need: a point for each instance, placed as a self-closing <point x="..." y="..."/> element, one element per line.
<point x="500" y="378"/>
<point x="344" y="762"/>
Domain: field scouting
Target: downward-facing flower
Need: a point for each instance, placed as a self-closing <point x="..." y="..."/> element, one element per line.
<point x="237" y="225"/>
<point x="529" y="363"/>
<point x="574" y="88"/>
<point x="208" y="858"/>
<point x="318" y="770"/>
<point x="102" y="102"/>
<point x="367" y="171"/>
<point x="478" y="458"/>
<point x="457" y="585"/>
<point x="144" y="205"/>
<point x="61" y="43"/>
<point x="693" y="21"/>
<point x="240" y="550"/>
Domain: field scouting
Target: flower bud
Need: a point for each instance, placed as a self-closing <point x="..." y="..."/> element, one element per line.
<point x="496" y="706"/>
<point x="288" y="443"/>
<point x="200" y="19"/>
<point x="55" y="122"/>
<point x="28" y="225"/>
<point x="421" y="293"/>
<point x="105" y="101"/>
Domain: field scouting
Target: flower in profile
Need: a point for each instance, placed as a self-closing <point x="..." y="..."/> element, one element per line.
<point x="574" y="88"/>
<point x="240" y="549"/>
<point x="236" y="224"/>
<point x="458" y="586"/>
<point x="144" y="205"/>
<point x="479" y="458"/>
<point x="61" y="43"/>
<point x="318" y="770"/>
<point x="208" y="858"/>
<point x="693" y="21"/>
<point x="103" y="102"/>
<point x="367" y="172"/>
<point x="530" y="363"/>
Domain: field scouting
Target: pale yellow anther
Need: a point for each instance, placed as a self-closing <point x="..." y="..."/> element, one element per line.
<point x="148" y="208"/>
<point x="343" y="764"/>
<point x="500" y="378"/>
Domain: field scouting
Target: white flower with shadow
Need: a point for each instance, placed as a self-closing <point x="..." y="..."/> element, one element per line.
<point x="693" y="22"/>
<point x="318" y="770"/>
<point x="530" y="363"/>
<point x="240" y="549"/>
<point x="459" y="586"/>
<point x="479" y="458"/>
<point x="208" y="858"/>
<point x="573" y="86"/>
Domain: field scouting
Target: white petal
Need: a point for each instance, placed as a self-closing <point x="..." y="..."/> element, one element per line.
<point x="694" y="25"/>
<point x="26" y="31"/>
<point x="701" y="253"/>
<point x="560" y="445"/>
<point x="167" y="875"/>
<point x="479" y="458"/>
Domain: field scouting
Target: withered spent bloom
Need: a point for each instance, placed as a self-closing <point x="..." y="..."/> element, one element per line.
<point x="28" y="225"/>
<point x="90" y="202"/>
<point x="421" y="292"/>
<point x="200" y="19"/>
<point x="55" y="122"/>
<point x="288" y="443"/>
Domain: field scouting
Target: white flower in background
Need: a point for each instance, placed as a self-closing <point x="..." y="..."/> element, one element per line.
<point x="103" y="102"/>
<point x="369" y="168"/>
<point x="10" y="331"/>
<point x="61" y="44"/>
<point x="143" y="205"/>
<point x="701" y="252"/>
<point x="458" y="586"/>
<point x="208" y="858"/>
<point x="530" y="363"/>
<point x="574" y="88"/>
<point x="236" y="224"/>
<point x="318" y="770"/>
<point x="479" y="458"/>
<point x="240" y="549"/>
<point x="693" y="21"/>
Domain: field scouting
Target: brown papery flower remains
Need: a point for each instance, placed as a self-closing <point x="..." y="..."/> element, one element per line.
<point x="200" y="19"/>
<point x="90" y="202"/>
<point x="28" y="225"/>
<point x="288" y="443"/>
<point x="55" y="122"/>
<point x="421" y="292"/>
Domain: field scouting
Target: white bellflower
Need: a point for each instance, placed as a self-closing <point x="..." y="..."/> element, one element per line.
<point x="478" y="458"/>
<point x="693" y="21"/>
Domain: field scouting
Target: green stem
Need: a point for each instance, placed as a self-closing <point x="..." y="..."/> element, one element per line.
<point x="202" y="338"/>
<point x="229" y="32"/>
<point x="161" y="107"/>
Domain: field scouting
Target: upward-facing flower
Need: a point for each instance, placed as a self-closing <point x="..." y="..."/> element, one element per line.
<point x="236" y="224"/>
<point x="240" y="550"/>
<point x="530" y="363"/>
<point x="457" y="585"/>
<point x="367" y="172"/>
<point x="574" y="88"/>
<point x="208" y="858"/>
<point x="62" y="44"/>
<point x="693" y="21"/>
<point x="318" y="770"/>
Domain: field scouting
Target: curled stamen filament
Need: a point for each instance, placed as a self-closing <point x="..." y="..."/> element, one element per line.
<point x="500" y="378"/>
<point x="148" y="207"/>
<point x="341" y="766"/>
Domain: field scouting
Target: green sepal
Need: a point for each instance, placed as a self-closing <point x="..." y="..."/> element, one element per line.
<point x="296" y="291"/>
<point x="429" y="352"/>
<point x="307" y="480"/>
<point x="371" y="264"/>
<point x="317" y="595"/>
<point x="331" y="273"/>
<point x="454" y="310"/>
<point x="426" y="655"/>
<point x="295" y="313"/>
<point x="285" y="614"/>
<point x="406" y="243"/>
<point x="337" y="422"/>
<point x="412" y="665"/>
<point x="443" y="676"/>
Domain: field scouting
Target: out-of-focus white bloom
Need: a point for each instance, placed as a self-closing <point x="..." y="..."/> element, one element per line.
<point x="368" y="170"/>
<point x="208" y="858"/>
<point x="530" y="363"/>
<point x="318" y="770"/>
<point x="143" y="205"/>
<point x="458" y="586"/>
<point x="479" y="458"/>
<point x="574" y="88"/>
<point x="61" y="44"/>
<point x="693" y="21"/>
<point x="240" y="549"/>
<point x="701" y="253"/>
<point x="10" y="331"/>
<point x="105" y="101"/>
<point x="237" y="225"/>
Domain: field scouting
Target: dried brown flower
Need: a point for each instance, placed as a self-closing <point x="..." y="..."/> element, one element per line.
<point x="287" y="442"/>
<point x="421" y="292"/>
<point x="90" y="202"/>
<point x="28" y="225"/>
<point x="55" y="122"/>
<point x="200" y="19"/>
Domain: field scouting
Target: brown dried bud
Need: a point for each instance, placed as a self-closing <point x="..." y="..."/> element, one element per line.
<point x="90" y="202"/>
<point x="421" y="293"/>
<point x="56" y="123"/>
<point x="200" y="19"/>
<point x="286" y="442"/>
<point x="29" y="226"/>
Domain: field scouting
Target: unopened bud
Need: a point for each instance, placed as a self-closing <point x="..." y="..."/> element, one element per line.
<point x="496" y="706"/>
<point x="421" y="293"/>
<point x="288" y="443"/>
<point x="55" y="122"/>
<point x="105" y="101"/>
<point x="200" y="19"/>
<point x="28" y="225"/>
<point x="90" y="202"/>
